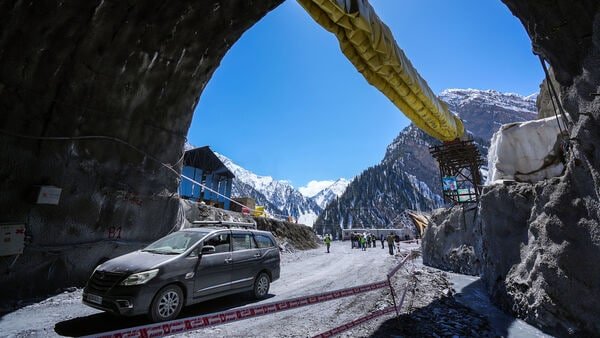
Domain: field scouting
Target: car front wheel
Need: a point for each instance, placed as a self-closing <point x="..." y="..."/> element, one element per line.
<point x="261" y="285"/>
<point x="166" y="304"/>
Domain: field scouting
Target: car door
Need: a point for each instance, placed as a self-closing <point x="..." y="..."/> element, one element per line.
<point x="246" y="259"/>
<point x="269" y="251"/>
<point x="213" y="274"/>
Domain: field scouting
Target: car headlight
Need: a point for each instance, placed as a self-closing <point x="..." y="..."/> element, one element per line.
<point x="140" y="277"/>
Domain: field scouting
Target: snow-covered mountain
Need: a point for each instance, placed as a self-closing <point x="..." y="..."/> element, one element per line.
<point x="330" y="192"/>
<point x="407" y="177"/>
<point x="279" y="197"/>
<point x="484" y="111"/>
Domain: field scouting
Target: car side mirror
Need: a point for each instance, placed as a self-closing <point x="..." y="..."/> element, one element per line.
<point x="208" y="249"/>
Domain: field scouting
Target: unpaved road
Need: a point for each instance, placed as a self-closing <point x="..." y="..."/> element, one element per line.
<point x="302" y="273"/>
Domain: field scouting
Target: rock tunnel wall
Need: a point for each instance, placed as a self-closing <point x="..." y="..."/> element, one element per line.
<point x="539" y="243"/>
<point x="541" y="265"/>
<point x="123" y="69"/>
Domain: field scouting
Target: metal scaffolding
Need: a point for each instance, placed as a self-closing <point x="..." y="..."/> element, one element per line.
<point x="459" y="163"/>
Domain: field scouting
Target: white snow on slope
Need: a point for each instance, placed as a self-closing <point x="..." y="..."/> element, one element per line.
<point x="336" y="189"/>
<point x="280" y="193"/>
<point x="315" y="187"/>
<point x="491" y="98"/>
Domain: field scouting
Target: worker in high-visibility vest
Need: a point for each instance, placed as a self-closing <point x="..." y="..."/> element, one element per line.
<point x="390" y="240"/>
<point x="327" y="241"/>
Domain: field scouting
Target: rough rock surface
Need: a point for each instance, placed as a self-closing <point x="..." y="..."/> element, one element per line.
<point x="541" y="242"/>
<point x="543" y="102"/>
<point x="127" y="70"/>
<point x="452" y="241"/>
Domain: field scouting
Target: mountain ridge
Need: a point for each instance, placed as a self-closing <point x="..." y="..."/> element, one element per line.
<point x="408" y="177"/>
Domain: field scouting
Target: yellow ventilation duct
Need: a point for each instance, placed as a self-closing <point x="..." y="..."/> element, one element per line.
<point x="369" y="44"/>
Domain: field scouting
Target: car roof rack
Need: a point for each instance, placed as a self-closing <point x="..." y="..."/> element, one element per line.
<point x="226" y="224"/>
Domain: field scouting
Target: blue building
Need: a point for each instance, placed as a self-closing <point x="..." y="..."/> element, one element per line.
<point x="203" y="166"/>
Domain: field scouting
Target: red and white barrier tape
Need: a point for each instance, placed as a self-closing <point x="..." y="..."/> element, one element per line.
<point x="379" y="313"/>
<point x="394" y="270"/>
<point x="195" y="323"/>
<point x="355" y="322"/>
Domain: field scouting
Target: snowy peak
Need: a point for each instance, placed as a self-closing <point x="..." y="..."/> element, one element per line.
<point x="533" y="97"/>
<point x="250" y="178"/>
<point x="457" y="98"/>
<point x="335" y="189"/>
<point x="278" y="196"/>
<point x="484" y="111"/>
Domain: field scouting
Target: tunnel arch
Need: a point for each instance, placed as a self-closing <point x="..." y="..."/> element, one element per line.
<point x="135" y="72"/>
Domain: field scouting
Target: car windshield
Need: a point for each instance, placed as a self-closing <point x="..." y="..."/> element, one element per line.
<point x="175" y="243"/>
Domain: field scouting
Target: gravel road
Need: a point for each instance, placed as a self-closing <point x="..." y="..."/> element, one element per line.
<point x="302" y="273"/>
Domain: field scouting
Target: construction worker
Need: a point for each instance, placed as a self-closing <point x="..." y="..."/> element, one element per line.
<point x="327" y="241"/>
<point x="390" y="240"/>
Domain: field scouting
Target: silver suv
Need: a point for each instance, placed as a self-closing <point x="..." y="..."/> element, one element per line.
<point x="184" y="268"/>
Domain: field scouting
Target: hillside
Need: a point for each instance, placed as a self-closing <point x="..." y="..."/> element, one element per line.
<point x="408" y="177"/>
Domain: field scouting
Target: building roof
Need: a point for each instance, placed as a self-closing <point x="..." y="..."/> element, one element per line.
<point x="204" y="158"/>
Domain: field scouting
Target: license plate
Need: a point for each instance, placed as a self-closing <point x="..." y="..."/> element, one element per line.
<point x="94" y="299"/>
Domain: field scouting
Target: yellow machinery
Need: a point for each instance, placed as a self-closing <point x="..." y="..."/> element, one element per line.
<point x="369" y="44"/>
<point x="420" y="221"/>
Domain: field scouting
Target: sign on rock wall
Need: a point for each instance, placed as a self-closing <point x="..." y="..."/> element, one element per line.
<point x="13" y="239"/>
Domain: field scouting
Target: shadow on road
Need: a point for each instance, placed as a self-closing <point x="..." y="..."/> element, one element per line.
<point x="104" y="322"/>
<point x="443" y="317"/>
<point x="469" y="312"/>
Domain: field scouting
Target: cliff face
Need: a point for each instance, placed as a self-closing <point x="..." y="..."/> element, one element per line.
<point x="540" y="241"/>
<point x="132" y="71"/>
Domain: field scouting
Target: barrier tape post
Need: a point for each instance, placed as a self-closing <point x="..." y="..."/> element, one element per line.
<point x="354" y="323"/>
<point x="389" y="277"/>
<point x="397" y="308"/>
<point x="393" y="292"/>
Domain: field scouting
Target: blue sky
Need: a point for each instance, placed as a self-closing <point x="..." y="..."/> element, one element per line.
<point x="285" y="102"/>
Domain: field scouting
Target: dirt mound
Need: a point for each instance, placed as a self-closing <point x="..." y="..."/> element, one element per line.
<point x="291" y="236"/>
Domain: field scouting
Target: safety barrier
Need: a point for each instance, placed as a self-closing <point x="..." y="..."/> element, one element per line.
<point x="199" y="322"/>
<point x="356" y="322"/>
<point x="378" y="313"/>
